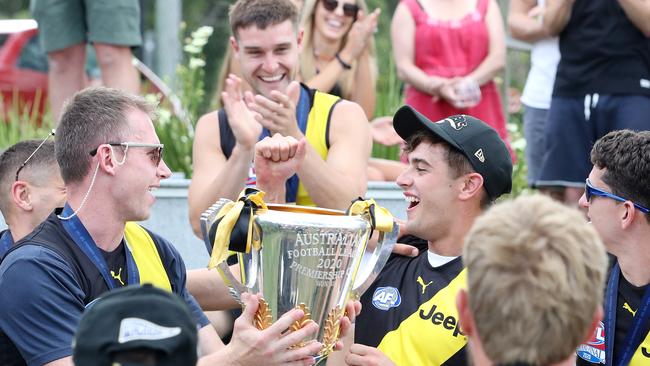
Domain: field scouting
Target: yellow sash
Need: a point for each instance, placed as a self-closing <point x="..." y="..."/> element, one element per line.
<point x="145" y="254"/>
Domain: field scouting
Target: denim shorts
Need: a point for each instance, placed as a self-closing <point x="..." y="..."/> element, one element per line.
<point x="534" y="124"/>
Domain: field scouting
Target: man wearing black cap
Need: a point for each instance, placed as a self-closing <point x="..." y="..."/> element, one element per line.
<point x="457" y="167"/>
<point x="136" y="325"/>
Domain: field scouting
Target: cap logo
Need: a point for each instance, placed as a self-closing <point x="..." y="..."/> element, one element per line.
<point x="136" y="329"/>
<point x="479" y="155"/>
<point x="456" y="122"/>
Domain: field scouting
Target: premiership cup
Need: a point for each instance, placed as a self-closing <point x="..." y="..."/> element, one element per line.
<point x="309" y="258"/>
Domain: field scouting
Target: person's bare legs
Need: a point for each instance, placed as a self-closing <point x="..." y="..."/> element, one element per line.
<point x="116" y="67"/>
<point x="66" y="75"/>
<point x="567" y="195"/>
<point x="572" y="196"/>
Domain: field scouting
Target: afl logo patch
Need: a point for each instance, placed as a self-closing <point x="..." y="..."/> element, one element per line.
<point x="594" y="350"/>
<point x="385" y="298"/>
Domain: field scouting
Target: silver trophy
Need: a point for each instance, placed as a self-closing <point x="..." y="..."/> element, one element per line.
<point x="302" y="257"/>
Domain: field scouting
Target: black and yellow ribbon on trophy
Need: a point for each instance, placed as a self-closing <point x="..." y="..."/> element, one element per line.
<point x="234" y="226"/>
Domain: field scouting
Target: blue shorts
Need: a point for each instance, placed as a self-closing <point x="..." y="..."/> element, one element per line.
<point x="534" y="124"/>
<point x="574" y="125"/>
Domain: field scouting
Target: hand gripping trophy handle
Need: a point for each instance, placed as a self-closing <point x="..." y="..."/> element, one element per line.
<point x="210" y="219"/>
<point x="373" y="263"/>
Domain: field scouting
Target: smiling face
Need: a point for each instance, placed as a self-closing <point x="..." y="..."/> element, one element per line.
<point x="429" y="190"/>
<point x="139" y="176"/>
<point x="268" y="57"/>
<point x="334" y="24"/>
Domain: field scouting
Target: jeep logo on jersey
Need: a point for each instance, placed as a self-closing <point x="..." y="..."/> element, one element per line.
<point x="456" y="122"/>
<point x="594" y="350"/>
<point x="385" y="298"/>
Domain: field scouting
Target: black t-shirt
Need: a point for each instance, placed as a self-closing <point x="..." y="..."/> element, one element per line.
<point x="602" y="52"/>
<point x="629" y="300"/>
<point x="116" y="261"/>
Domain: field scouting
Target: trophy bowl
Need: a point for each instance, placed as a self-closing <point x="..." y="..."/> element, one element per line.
<point x="310" y="258"/>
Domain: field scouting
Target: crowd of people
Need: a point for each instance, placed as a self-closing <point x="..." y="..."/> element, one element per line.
<point x="529" y="281"/>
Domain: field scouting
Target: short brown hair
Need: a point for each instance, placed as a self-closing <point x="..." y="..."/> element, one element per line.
<point x="93" y="116"/>
<point x="536" y="274"/>
<point x="36" y="171"/>
<point x="456" y="161"/>
<point x="625" y="156"/>
<point x="261" y="13"/>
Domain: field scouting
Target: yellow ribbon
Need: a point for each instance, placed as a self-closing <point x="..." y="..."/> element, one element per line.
<point x="235" y="226"/>
<point x="380" y="218"/>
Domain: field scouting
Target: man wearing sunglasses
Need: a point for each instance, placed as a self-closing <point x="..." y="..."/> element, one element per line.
<point x="30" y="188"/>
<point x="110" y="160"/>
<point x="266" y="41"/>
<point x="617" y="197"/>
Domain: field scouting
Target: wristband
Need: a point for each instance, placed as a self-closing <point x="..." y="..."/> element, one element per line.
<point x="344" y="64"/>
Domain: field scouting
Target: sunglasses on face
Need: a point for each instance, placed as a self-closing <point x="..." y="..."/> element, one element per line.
<point x="591" y="191"/>
<point x="155" y="154"/>
<point x="350" y="10"/>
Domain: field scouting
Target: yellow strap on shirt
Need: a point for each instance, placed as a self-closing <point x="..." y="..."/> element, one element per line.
<point x="316" y="134"/>
<point x="146" y="256"/>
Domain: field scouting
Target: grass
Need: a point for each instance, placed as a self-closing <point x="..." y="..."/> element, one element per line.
<point x="21" y="121"/>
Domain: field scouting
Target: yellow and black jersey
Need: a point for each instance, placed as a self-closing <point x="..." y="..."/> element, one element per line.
<point x="410" y="314"/>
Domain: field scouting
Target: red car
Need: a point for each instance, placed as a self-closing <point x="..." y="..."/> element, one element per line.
<point x="23" y="72"/>
<point x="22" y="84"/>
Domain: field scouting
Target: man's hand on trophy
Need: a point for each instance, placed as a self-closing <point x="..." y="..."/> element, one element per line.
<point x="401" y="248"/>
<point x="277" y="158"/>
<point x="352" y="309"/>
<point x="271" y="346"/>
<point x="361" y="355"/>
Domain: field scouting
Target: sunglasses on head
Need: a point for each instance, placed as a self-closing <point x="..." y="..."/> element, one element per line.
<point x="33" y="153"/>
<point x="591" y="191"/>
<point x="350" y="10"/>
<point x="155" y="154"/>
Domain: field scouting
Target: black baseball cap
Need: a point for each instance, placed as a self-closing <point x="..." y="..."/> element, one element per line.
<point x="479" y="142"/>
<point x="136" y="321"/>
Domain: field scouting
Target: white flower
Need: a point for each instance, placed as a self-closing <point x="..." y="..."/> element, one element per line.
<point x="196" y="63"/>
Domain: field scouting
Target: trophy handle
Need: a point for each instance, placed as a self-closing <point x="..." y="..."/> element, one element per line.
<point x="376" y="262"/>
<point x="208" y="218"/>
<point x="234" y="286"/>
<point x="208" y="221"/>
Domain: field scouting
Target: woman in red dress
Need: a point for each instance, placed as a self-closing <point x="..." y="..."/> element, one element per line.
<point x="448" y="52"/>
